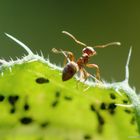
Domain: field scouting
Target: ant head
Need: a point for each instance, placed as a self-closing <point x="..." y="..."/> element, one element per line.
<point x="89" y="51"/>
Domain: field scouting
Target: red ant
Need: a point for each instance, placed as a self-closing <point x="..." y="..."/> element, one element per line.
<point x="73" y="66"/>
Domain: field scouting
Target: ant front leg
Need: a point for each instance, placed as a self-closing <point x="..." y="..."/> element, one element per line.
<point x="69" y="56"/>
<point x="97" y="69"/>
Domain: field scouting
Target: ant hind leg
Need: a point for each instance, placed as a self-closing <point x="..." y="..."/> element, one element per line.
<point x="85" y="74"/>
<point x="97" y="70"/>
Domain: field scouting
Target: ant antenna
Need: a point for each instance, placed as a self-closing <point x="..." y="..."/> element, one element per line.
<point x="108" y="44"/>
<point x="83" y="44"/>
<point x="74" y="38"/>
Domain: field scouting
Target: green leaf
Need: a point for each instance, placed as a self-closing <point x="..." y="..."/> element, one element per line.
<point x="36" y="104"/>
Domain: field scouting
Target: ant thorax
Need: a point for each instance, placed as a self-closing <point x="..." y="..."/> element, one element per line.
<point x="83" y="60"/>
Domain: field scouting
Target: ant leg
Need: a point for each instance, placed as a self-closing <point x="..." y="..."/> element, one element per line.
<point x="84" y="74"/>
<point x="69" y="56"/>
<point x="97" y="69"/>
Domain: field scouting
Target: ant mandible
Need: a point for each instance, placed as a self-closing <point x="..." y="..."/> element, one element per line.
<point x="72" y="67"/>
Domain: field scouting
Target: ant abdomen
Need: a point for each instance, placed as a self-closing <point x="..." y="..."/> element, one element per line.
<point x="69" y="70"/>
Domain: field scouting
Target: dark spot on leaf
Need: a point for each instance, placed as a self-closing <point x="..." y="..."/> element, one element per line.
<point x="12" y="99"/>
<point x="55" y="103"/>
<point x="26" y="120"/>
<point x="1" y="98"/>
<point x="26" y="107"/>
<point x="128" y="111"/>
<point x="112" y="112"/>
<point x="92" y="107"/>
<point x="101" y="122"/>
<point x="111" y="108"/>
<point x="42" y="80"/>
<point x="12" y="110"/>
<point x="100" y="119"/>
<point x="87" y="137"/>
<point x="125" y="101"/>
<point x="103" y="106"/>
<point x="45" y="124"/>
<point x="68" y="98"/>
<point x="100" y="129"/>
<point x="112" y="96"/>
<point x="133" y="120"/>
<point x="57" y="94"/>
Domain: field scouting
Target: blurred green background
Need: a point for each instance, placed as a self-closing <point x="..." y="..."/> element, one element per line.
<point x="39" y="24"/>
